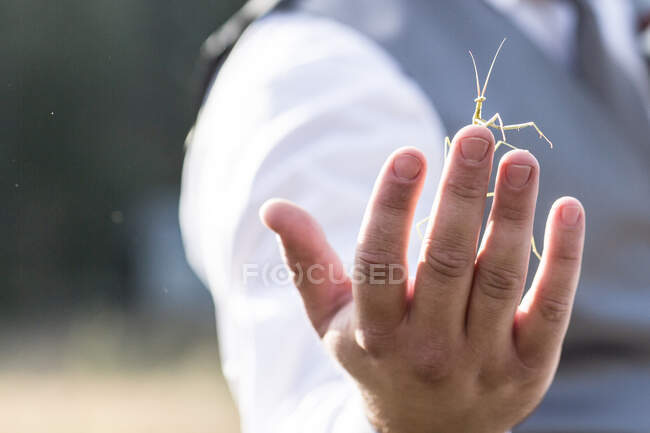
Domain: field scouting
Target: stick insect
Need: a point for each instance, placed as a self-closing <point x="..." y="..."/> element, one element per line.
<point x="495" y="122"/>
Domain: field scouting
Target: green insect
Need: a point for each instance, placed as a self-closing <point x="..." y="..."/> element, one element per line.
<point x="495" y="122"/>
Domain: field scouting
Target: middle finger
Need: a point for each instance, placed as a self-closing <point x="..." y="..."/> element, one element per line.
<point x="444" y="274"/>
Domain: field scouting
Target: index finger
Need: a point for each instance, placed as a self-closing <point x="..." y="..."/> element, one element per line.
<point x="381" y="260"/>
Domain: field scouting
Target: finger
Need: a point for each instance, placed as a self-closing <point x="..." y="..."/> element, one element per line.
<point x="318" y="272"/>
<point x="381" y="274"/>
<point x="502" y="262"/>
<point x="446" y="265"/>
<point x="543" y="316"/>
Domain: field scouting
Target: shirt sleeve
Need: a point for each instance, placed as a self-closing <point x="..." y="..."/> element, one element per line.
<point x="308" y="110"/>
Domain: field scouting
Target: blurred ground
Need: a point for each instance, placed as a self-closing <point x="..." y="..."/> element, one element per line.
<point x="103" y="327"/>
<point x="105" y="375"/>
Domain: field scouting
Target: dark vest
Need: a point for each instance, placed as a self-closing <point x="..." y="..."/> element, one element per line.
<point x="603" y="383"/>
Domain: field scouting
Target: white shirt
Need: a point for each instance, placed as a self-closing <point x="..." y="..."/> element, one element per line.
<point x="299" y="103"/>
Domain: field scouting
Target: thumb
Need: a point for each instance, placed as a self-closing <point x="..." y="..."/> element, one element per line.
<point x="318" y="272"/>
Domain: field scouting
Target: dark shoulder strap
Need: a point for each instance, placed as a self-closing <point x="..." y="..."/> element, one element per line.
<point x="219" y="44"/>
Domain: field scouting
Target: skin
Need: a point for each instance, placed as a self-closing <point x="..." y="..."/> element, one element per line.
<point x="454" y="347"/>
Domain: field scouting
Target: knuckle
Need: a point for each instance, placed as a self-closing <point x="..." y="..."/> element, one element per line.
<point x="376" y="342"/>
<point x="466" y="188"/>
<point x="490" y="376"/>
<point x="514" y="214"/>
<point x="394" y="202"/>
<point x="554" y="309"/>
<point x="566" y="257"/>
<point x="369" y="261"/>
<point x="374" y="266"/>
<point x="432" y="362"/>
<point x="499" y="283"/>
<point x="449" y="260"/>
<point x="507" y="377"/>
<point x="342" y="347"/>
<point x="529" y="372"/>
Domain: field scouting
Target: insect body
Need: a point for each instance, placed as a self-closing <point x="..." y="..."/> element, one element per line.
<point x="495" y="122"/>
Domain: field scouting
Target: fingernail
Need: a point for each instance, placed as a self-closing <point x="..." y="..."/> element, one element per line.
<point x="474" y="148"/>
<point x="518" y="175"/>
<point x="570" y="215"/>
<point x="407" y="167"/>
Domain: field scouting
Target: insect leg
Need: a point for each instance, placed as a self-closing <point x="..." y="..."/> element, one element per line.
<point x="527" y="125"/>
<point x="419" y="226"/>
<point x="499" y="143"/>
<point x="534" y="248"/>
<point x="492" y="124"/>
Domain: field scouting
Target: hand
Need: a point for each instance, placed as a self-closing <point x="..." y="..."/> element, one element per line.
<point x="454" y="349"/>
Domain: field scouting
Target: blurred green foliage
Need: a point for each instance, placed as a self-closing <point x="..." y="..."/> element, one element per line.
<point x="96" y="103"/>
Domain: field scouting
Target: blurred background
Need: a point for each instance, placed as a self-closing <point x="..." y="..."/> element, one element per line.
<point x="103" y="327"/>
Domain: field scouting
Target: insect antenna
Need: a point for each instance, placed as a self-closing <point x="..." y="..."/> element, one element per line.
<point x="478" y="84"/>
<point x="492" y="67"/>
